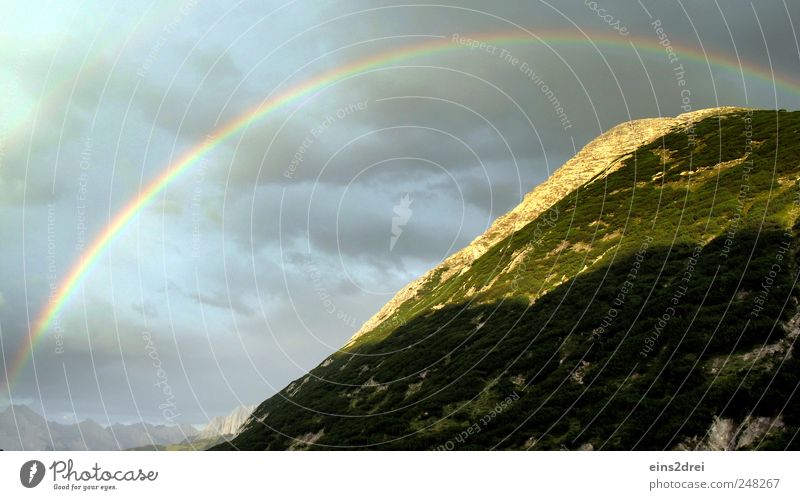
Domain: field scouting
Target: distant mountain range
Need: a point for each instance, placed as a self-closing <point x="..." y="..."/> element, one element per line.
<point x="21" y="428"/>
<point x="644" y="297"/>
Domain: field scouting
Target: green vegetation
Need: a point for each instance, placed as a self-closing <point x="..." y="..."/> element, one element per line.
<point x="187" y="445"/>
<point x="192" y="445"/>
<point x="657" y="299"/>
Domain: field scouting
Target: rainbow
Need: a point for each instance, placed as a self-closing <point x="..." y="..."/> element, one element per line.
<point x="273" y="103"/>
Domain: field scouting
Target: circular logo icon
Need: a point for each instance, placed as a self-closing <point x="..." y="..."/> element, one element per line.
<point x="31" y="473"/>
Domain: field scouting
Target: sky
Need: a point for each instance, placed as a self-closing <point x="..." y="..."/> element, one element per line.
<point x="264" y="256"/>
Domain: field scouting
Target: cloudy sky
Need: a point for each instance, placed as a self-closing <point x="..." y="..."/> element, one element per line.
<point x="269" y="252"/>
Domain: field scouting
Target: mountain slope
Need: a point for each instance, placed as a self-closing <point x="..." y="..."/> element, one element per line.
<point x="600" y="155"/>
<point x="645" y="297"/>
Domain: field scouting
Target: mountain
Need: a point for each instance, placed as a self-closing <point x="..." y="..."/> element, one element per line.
<point x="644" y="297"/>
<point x="218" y="429"/>
<point x="23" y="429"/>
<point x="227" y="425"/>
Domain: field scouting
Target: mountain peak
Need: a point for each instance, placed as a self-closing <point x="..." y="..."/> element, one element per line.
<point x="599" y="156"/>
<point x="226" y="425"/>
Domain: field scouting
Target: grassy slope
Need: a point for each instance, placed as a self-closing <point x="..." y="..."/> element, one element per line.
<point x="196" y="445"/>
<point x="524" y="339"/>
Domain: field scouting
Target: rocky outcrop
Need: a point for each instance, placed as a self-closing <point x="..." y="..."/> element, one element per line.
<point x="226" y="425"/>
<point x="600" y="156"/>
<point x="725" y="435"/>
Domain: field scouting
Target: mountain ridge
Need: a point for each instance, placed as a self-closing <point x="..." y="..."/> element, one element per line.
<point x="625" y="313"/>
<point x="593" y="159"/>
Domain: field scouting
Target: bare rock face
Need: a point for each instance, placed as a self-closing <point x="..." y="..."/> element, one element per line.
<point x="226" y="425"/>
<point x="755" y="428"/>
<point x="600" y="157"/>
<point x="725" y="434"/>
<point x="722" y="435"/>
